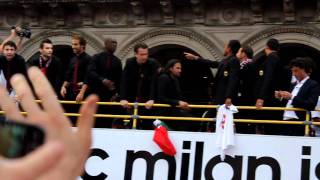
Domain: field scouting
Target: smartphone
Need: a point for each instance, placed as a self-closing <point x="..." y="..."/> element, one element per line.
<point x="18" y="139"/>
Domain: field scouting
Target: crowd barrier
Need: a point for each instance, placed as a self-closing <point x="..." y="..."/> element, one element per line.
<point x="135" y="116"/>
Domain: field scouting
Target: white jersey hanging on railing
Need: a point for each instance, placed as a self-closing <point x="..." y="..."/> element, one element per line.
<point x="225" y="129"/>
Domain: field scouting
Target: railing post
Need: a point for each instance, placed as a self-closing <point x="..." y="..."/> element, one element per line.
<point x="135" y="115"/>
<point x="307" y="126"/>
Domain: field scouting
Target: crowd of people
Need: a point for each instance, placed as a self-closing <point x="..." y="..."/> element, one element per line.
<point x="239" y="80"/>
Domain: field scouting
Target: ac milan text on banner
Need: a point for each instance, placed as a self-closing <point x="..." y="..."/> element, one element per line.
<point x="130" y="154"/>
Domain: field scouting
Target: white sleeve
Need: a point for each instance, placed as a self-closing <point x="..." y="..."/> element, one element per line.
<point x="3" y="80"/>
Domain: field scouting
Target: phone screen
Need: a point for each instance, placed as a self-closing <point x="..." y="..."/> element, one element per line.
<point x="18" y="139"/>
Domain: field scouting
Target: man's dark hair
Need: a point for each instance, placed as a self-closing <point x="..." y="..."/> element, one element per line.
<point x="273" y="44"/>
<point x="46" y="41"/>
<point x="140" y="45"/>
<point x="234" y="45"/>
<point x="81" y="40"/>
<point x="11" y="44"/>
<point x="305" y="63"/>
<point x="170" y="64"/>
<point x="248" y="51"/>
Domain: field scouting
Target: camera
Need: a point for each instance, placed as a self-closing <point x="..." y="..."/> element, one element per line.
<point x="22" y="31"/>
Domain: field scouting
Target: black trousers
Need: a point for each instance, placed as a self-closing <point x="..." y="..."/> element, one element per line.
<point x="71" y="108"/>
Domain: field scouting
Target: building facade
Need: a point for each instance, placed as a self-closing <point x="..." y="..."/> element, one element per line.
<point x="174" y="26"/>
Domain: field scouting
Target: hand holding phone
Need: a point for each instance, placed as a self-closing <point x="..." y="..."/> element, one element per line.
<point x="65" y="151"/>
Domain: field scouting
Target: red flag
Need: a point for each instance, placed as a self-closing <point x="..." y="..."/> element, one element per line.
<point x="162" y="139"/>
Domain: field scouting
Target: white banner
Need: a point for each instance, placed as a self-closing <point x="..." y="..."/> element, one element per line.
<point x="131" y="154"/>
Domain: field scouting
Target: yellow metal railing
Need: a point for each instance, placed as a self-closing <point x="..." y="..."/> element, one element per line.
<point x="135" y="116"/>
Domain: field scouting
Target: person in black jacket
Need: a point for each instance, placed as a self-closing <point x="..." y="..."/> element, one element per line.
<point x="139" y="78"/>
<point x="246" y="88"/>
<point x="169" y="92"/>
<point x="268" y="80"/>
<point x="105" y="72"/>
<point x="11" y="63"/>
<point x="48" y="64"/>
<point x="104" y="76"/>
<point x="138" y="82"/>
<point x="227" y="77"/>
<point x="246" y="76"/>
<point x="304" y="94"/>
<point x="268" y="75"/>
<point x="75" y="84"/>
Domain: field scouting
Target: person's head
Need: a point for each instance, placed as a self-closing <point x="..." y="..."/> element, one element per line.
<point x="244" y="53"/>
<point x="46" y="48"/>
<point x="110" y="45"/>
<point x="78" y="44"/>
<point x="141" y="52"/>
<point x="9" y="50"/>
<point x="174" y="67"/>
<point x="272" y="45"/>
<point x="232" y="48"/>
<point x="301" y="67"/>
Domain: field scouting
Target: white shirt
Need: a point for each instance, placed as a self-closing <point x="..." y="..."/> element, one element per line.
<point x="3" y="82"/>
<point x="225" y="129"/>
<point x="291" y="114"/>
<point x="316" y="114"/>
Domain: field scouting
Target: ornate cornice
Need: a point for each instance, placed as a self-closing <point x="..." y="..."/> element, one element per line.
<point x="265" y="34"/>
<point x="181" y="32"/>
<point x="132" y="13"/>
<point x="59" y="1"/>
